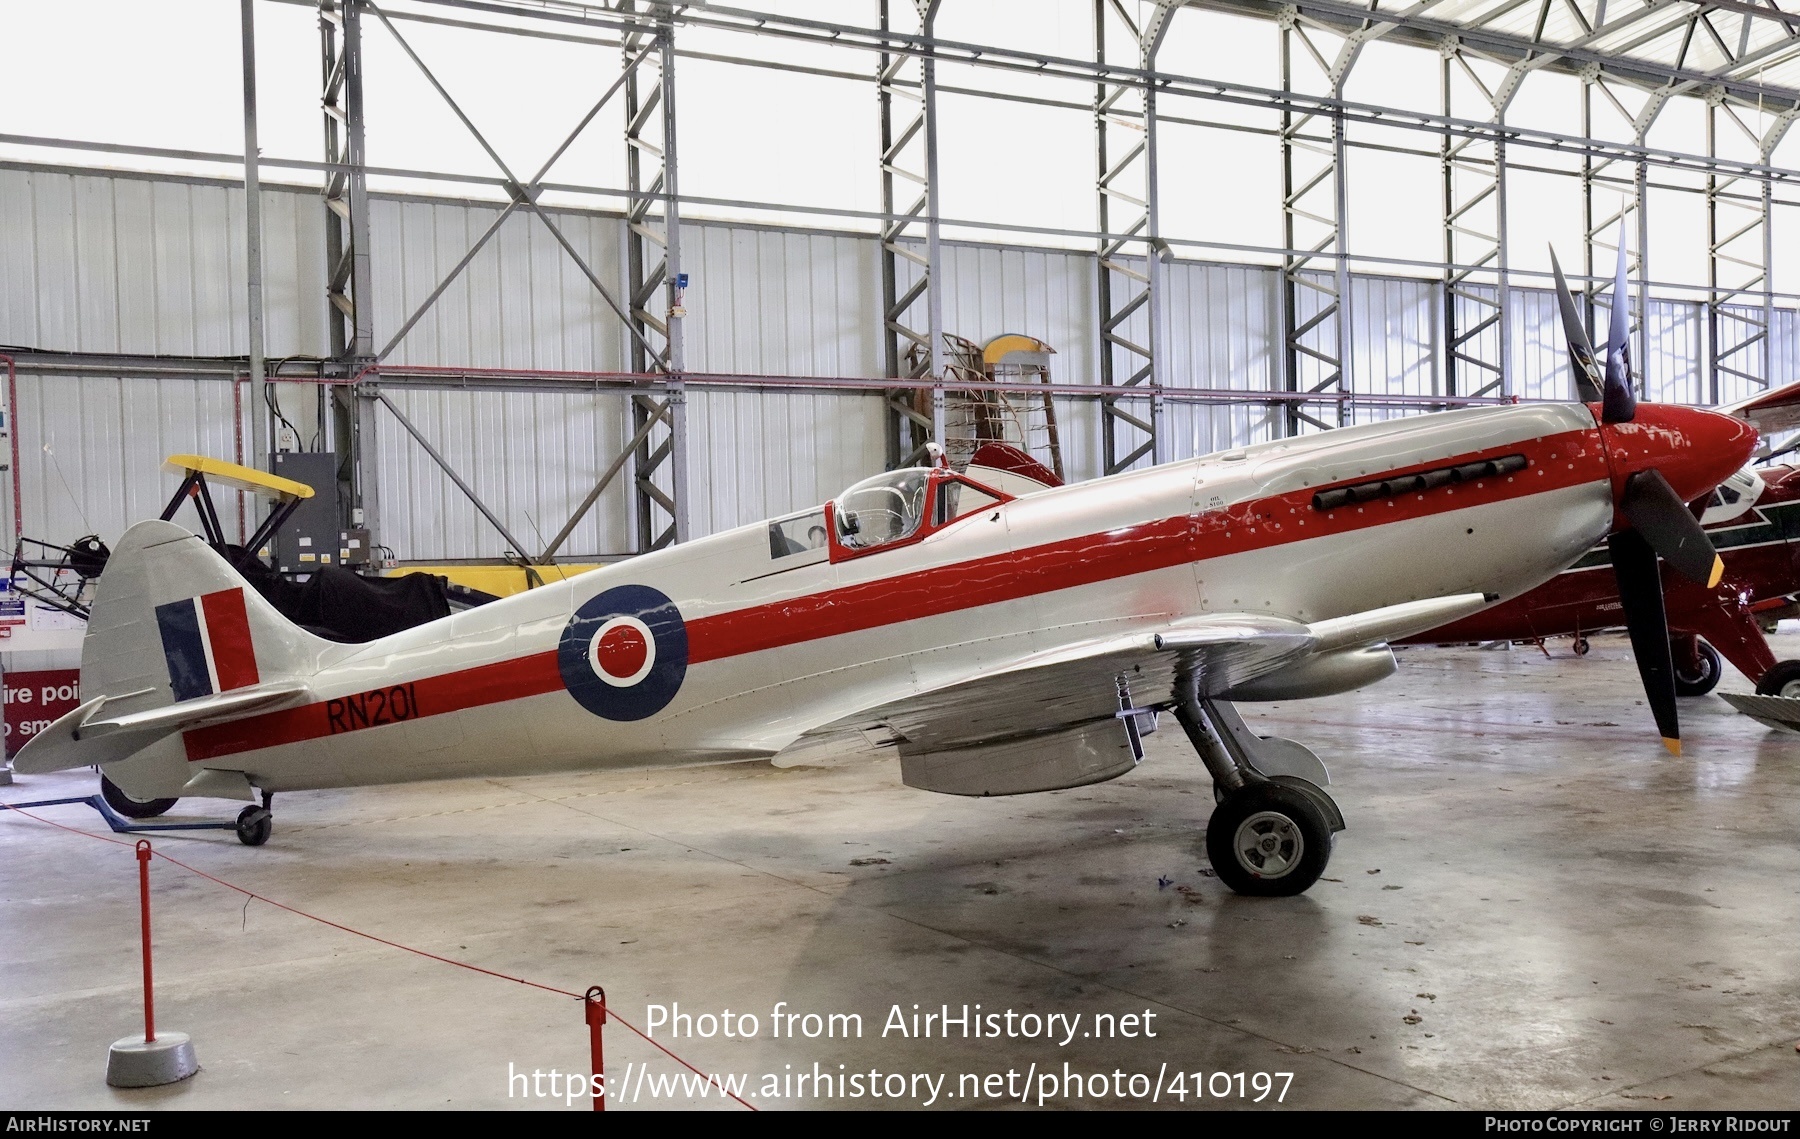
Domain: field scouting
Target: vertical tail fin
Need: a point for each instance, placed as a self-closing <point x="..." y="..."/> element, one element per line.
<point x="176" y="637"/>
<point x="172" y="621"/>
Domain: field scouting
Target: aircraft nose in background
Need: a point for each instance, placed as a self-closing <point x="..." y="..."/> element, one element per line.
<point x="1694" y="449"/>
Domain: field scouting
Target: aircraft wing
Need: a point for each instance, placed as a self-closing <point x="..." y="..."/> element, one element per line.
<point x="1068" y="698"/>
<point x="1770" y="411"/>
<point x="1079" y="683"/>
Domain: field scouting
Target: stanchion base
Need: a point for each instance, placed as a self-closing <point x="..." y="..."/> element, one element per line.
<point x="135" y="1063"/>
<point x="5" y="776"/>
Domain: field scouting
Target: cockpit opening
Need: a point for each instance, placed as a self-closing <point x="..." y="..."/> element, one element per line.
<point x="797" y="534"/>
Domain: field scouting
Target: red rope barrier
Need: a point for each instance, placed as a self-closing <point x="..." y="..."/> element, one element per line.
<point x="605" y="1013"/>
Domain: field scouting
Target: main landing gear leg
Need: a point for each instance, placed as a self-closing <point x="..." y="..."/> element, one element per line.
<point x="1272" y="831"/>
<point x="255" y="823"/>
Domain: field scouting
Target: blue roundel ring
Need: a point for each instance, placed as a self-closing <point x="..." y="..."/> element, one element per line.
<point x="624" y="653"/>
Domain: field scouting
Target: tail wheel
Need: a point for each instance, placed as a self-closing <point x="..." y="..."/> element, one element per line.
<point x="1698" y="681"/>
<point x="1267" y="840"/>
<point x="1581" y="646"/>
<point x="131" y="808"/>
<point x="1782" y="680"/>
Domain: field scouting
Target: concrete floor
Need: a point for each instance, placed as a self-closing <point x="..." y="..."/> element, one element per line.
<point x="1573" y="917"/>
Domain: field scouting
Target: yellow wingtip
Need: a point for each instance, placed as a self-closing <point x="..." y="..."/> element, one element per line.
<point x="1718" y="571"/>
<point x="1673" y="745"/>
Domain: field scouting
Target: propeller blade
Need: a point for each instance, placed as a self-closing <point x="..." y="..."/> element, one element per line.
<point x="1618" y="329"/>
<point x="1620" y="400"/>
<point x="1581" y="352"/>
<point x="1670" y="528"/>
<point x="1640" y="589"/>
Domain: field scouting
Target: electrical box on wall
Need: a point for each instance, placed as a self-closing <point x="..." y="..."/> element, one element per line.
<point x="310" y="539"/>
<point x="353" y="548"/>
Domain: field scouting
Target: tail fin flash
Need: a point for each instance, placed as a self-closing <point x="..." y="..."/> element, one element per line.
<point x="176" y="638"/>
<point x="207" y="644"/>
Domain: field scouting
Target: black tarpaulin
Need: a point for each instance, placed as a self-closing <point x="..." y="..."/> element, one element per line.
<point x="342" y="605"/>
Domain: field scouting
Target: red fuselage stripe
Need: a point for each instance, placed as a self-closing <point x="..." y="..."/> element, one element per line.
<point x="503" y="680"/>
<point x="1557" y="462"/>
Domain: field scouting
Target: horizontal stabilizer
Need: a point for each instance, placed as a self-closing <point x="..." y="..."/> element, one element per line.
<point x="88" y="736"/>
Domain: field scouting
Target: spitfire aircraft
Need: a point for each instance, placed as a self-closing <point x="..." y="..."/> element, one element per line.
<point x="999" y="633"/>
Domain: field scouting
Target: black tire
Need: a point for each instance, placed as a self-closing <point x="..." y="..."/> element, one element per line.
<point x="254" y="825"/>
<point x="1782" y="680"/>
<point x="1290" y="833"/>
<point x="132" y="809"/>
<point x="1711" y="669"/>
<point x="1581" y="646"/>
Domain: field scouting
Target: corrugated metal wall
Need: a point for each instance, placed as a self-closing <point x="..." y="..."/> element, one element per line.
<point x="1396" y="327"/>
<point x="1540" y="356"/>
<point x="1224" y="332"/>
<point x="155" y="265"/>
<point x="91" y="451"/>
<point x="779" y="303"/>
<point x="132" y="264"/>
<point x="1676" y="370"/>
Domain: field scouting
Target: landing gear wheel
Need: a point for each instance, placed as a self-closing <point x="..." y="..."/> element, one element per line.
<point x="1704" y="681"/>
<point x="119" y="801"/>
<point x="1268" y="841"/>
<point x="1581" y="646"/>
<point x="254" y="825"/>
<point x="1782" y="680"/>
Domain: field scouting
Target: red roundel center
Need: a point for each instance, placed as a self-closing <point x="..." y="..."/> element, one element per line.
<point x="621" y="652"/>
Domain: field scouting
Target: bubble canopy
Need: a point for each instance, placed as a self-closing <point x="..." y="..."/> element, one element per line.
<point x="885" y="508"/>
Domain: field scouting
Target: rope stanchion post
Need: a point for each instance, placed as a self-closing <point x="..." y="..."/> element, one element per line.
<point x="143" y="861"/>
<point x="149" y="1060"/>
<point x="594" y="1004"/>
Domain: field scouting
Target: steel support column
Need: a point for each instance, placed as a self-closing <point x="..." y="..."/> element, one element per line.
<point x="352" y="412"/>
<point x="911" y="299"/>
<point x="253" y="261"/>
<point x="1477" y="289"/>
<point x="1740" y="306"/>
<point x="653" y="266"/>
<point x="1629" y="179"/>
<point x="1315" y="303"/>
<point x="664" y="352"/>
<point x="1132" y="258"/>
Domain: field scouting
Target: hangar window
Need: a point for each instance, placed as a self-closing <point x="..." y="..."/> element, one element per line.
<point x="883" y="509"/>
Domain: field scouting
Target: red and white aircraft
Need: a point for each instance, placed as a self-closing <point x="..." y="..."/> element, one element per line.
<point x="999" y="633"/>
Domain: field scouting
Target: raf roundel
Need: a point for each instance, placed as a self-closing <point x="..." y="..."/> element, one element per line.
<point x="624" y="654"/>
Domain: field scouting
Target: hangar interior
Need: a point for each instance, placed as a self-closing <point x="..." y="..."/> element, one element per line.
<point x="494" y="329"/>
<point x="560" y="284"/>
